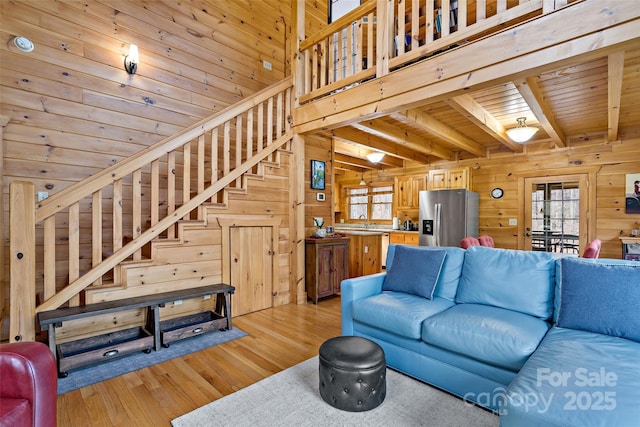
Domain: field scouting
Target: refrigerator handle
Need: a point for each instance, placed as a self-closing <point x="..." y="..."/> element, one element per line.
<point x="437" y="225"/>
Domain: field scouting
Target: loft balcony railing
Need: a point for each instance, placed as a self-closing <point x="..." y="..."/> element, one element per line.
<point x="382" y="35"/>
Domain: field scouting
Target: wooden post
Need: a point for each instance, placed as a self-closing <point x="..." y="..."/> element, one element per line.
<point x="296" y="217"/>
<point x="297" y="60"/>
<point x="4" y="309"/>
<point x="22" y="259"/>
<point x="384" y="40"/>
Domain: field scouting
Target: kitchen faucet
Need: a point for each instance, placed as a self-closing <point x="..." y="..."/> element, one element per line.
<point x="363" y="216"/>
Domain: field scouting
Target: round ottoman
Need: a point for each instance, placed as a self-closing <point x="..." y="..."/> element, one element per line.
<point x="353" y="373"/>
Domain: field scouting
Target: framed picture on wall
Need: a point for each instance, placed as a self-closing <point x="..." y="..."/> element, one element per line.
<point x="632" y="203"/>
<point x="317" y="175"/>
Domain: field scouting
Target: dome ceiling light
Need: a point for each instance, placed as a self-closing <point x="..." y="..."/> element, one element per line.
<point x="375" y="156"/>
<point x="521" y="133"/>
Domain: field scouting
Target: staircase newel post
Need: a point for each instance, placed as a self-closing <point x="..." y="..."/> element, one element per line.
<point x="22" y="261"/>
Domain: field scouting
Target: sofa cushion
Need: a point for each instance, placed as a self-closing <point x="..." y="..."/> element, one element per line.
<point x="576" y="378"/>
<point x="600" y="297"/>
<point x="493" y="335"/>
<point x="447" y="285"/>
<point x="515" y="280"/>
<point x="414" y="271"/>
<point x="398" y="312"/>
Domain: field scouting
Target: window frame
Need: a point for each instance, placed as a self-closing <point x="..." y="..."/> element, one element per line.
<point x="370" y="204"/>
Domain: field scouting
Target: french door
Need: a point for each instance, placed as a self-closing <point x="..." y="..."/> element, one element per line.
<point x="556" y="213"/>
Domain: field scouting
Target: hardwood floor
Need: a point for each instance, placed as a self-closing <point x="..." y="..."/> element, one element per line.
<point x="277" y="339"/>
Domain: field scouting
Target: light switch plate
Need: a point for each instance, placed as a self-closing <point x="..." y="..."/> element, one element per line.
<point x="513" y="221"/>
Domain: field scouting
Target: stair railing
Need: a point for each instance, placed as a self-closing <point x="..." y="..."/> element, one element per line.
<point x="125" y="206"/>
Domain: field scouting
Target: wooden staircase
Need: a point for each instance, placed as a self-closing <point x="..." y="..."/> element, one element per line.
<point x="141" y="210"/>
<point x="192" y="244"/>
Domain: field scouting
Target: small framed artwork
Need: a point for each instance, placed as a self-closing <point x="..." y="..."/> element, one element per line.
<point x="317" y="175"/>
<point x="320" y="197"/>
<point x="632" y="190"/>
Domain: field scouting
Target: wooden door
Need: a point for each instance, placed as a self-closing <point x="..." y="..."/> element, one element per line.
<point x="340" y="265"/>
<point x="252" y="263"/>
<point x="326" y="271"/>
<point x="458" y="178"/>
<point x="551" y="224"/>
<point x="438" y="179"/>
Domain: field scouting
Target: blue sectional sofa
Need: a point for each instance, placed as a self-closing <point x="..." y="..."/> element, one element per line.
<point x="541" y="341"/>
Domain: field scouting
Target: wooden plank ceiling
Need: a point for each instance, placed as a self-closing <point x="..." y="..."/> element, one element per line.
<point x="595" y="100"/>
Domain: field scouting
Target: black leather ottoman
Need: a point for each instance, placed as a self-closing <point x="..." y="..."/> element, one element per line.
<point x="353" y="373"/>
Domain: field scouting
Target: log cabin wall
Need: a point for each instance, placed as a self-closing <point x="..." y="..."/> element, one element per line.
<point x="72" y="108"/>
<point x="610" y="161"/>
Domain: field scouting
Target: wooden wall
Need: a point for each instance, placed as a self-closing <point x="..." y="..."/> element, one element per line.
<point x="73" y="110"/>
<point x="318" y="148"/>
<point x="611" y="161"/>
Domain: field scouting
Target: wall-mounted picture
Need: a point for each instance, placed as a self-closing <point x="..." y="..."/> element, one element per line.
<point x="632" y="190"/>
<point x="317" y="175"/>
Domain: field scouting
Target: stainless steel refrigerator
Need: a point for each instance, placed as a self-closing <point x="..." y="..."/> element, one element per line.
<point x="447" y="216"/>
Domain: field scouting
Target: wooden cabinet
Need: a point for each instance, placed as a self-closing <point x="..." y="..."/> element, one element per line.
<point x="399" y="238"/>
<point x="327" y="264"/>
<point x="630" y="248"/>
<point x="407" y="189"/>
<point x="365" y="254"/>
<point x="440" y="179"/>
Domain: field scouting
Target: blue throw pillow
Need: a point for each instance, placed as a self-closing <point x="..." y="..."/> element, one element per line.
<point x="601" y="298"/>
<point x="414" y="270"/>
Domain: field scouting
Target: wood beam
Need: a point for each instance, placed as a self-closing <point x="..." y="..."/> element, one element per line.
<point x="353" y="149"/>
<point x="359" y="137"/>
<point x="475" y="112"/>
<point x="439" y="129"/>
<point x="404" y="137"/>
<point x="530" y="90"/>
<point x="616" y="70"/>
<point x="356" y="161"/>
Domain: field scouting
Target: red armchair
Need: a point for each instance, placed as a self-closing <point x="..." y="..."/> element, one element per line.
<point x="486" y="240"/>
<point x="469" y="241"/>
<point x="593" y="249"/>
<point x="28" y="385"/>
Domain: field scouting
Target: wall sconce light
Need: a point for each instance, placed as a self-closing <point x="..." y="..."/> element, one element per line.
<point x="521" y="133"/>
<point x="375" y="156"/>
<point x="23" y="44"/>
<point x="131" y="60"/>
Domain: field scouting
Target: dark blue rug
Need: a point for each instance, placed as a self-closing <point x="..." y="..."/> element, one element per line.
<point x="104" y="371"/>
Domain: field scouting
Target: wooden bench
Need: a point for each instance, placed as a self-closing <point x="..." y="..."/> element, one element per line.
<point x="155" y="334"/>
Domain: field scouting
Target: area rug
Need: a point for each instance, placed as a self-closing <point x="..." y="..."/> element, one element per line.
<point x="291" y="398"/>
<point x="104" y="371"/>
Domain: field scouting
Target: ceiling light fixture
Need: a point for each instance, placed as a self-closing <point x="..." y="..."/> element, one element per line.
<point x="23" y="44"/>
<point x="362" y="181"/>
<point x="375" y="156"/>
<point x="521" y="133"/>
<point x="131" y="60"/>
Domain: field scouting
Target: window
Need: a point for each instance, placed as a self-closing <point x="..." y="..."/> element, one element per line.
<point x="370" y="203"/>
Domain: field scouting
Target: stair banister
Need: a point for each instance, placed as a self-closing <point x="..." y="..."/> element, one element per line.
<point x="65" y="198"/>
<point x="68" y="292"/>
<point x="22" y="326"/>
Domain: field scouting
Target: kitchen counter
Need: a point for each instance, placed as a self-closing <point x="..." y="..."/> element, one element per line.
<point x="348" y="229"/>
<point x="360" y="232"/>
